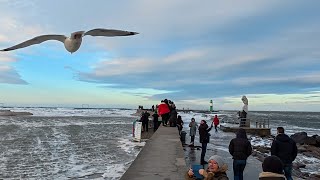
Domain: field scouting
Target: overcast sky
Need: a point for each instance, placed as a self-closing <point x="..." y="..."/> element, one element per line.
<point x="187" y="51"/>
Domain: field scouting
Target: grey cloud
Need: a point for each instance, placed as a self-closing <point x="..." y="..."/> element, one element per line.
<point x="10" y="76"/>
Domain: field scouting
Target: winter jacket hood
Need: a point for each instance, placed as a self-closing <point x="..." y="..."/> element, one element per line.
<point x="283" y="138"/>
<point x="270" y="175"/>
<point x="242" y="134"/>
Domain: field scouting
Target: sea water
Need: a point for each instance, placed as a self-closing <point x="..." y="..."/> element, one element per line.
<point x="68" y="143"/>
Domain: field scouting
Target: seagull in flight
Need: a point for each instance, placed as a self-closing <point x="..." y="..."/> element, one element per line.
<point x="72" y="43"/>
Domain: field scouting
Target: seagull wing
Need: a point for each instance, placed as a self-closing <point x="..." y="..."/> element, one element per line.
<point x="109" y="32"/>
<point x="36" y="40"/>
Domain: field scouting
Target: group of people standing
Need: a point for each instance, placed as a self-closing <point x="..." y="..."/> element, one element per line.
<point x="168" y="113"/>
<point x="278" y="166"/>
<point x="204" y="130"/>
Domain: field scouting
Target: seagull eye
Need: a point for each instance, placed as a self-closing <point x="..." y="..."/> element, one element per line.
<point x="76" y="36"/>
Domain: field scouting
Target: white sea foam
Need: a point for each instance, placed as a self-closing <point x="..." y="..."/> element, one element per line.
<point x="92" y="112"/>
<point x="60" y="123"/>
<point x="115" y="171"/>
<point x="258" y="141"/>
<point x="312" y="164"/>
<point x="78" y="169"/>
<point x="129" y="146"/>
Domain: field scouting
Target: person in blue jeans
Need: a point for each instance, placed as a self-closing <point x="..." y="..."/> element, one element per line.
<point x="240" y="149"/>
<point x="286" y="149"/>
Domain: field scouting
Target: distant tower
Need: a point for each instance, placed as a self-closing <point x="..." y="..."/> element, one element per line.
<point x="211" y="105"/>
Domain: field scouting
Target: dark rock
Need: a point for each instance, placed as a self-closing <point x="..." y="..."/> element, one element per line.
<point x="254" y="153"/>
<point x="318" y="140"/>
<point x="262" y="149"/>
<point x="315" y="176"/>
<point x="310" y="141"/>
<point x="298" y="165"/>
<point x="299" y="174"/>
<point x="313" y="151"/>
<point x="299" y="137"/>
<point x="302" y="149"/>
<point x="260" y="156"/>
<point x="309" y="154"/>
<point x="315" y="136"/>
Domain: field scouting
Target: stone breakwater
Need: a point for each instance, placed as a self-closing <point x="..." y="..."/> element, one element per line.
<point x="12" y="113"/>
<point x="307" y="146"/>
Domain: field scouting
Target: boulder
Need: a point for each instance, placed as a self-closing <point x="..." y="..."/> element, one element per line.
<point x="315" y="151"/>
<point x="318" y="140"/>
<point x="314" y="176"/>
<point x="262" y="149"/>
<point x="315" y="136"/>
<point x="299" y="137"/>
<point x="310" y="141"/>
<point x="298" y="165"/>
<point x="301" y="149"/>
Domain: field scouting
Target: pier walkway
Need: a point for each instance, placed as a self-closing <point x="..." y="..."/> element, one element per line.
<point x="161" y="158"/>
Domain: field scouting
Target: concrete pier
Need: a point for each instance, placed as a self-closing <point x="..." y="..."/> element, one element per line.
<point x="162" y="158"/>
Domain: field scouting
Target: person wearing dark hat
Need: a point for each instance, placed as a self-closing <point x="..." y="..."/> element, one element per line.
<point x="240" y="149"/>
<point x="272" y="169"/>
<point x="204" y="139"/>
<point x="216" y="170"/>
<point x="286" y="149"/>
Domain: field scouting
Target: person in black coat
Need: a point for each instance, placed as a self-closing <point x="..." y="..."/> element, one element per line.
<point x="179" y="124"/>
<point x="155" y="121"/>
<point x="286" y="149"/>
<point x="204" y="139"/>
<point x="145" y="120"/>
<point x="240" y="149"/>
<point x="173" y="117"/>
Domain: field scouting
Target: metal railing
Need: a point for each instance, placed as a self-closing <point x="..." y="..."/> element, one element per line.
<point x="247" y="122"/>
<point x="264" y="123"/>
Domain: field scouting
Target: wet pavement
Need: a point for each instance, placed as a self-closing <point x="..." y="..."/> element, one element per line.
<point x="161" y="158"/>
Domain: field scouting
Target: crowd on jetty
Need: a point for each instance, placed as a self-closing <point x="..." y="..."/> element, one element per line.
<point x="278" y="165"/>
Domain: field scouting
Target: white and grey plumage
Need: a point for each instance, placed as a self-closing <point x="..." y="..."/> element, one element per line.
<point x="72" y="43"/>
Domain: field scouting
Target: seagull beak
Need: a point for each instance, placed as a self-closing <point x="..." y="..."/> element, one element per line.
<point x="133" y="33"/>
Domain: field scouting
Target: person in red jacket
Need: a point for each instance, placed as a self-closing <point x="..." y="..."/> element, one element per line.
<point x="216" y="122"/>
<point x="164" y="112"/>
